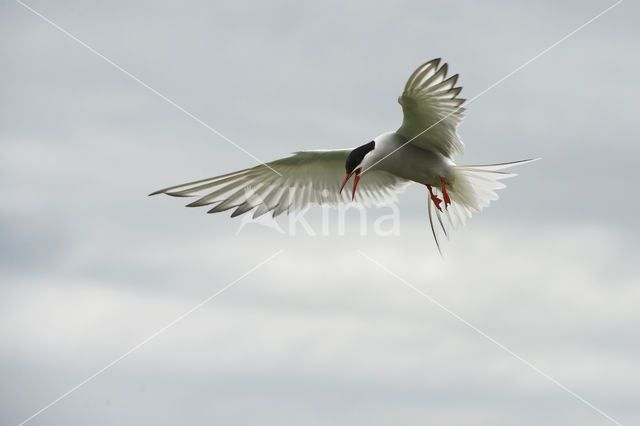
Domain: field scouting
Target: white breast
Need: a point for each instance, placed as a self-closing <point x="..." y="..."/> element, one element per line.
<point x="393" y="154"/>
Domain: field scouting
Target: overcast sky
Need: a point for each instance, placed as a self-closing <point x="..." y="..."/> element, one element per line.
<point x="91" y="266"/>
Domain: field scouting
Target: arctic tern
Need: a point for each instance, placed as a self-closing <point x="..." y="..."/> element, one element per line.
<point x="420" y="151"/>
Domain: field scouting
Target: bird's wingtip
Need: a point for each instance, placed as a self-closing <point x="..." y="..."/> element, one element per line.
<point x="531" y="160"/>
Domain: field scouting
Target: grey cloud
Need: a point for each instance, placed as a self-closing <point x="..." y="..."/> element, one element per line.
<point x="91" y="265"/>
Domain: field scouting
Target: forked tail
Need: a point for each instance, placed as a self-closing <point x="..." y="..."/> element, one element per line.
<point x="471" y="189"/>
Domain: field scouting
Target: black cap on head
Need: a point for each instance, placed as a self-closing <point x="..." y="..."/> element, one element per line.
<point x="355" y="157"/>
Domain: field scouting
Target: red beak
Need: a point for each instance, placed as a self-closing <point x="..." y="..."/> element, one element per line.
<point x="355" y="182"/>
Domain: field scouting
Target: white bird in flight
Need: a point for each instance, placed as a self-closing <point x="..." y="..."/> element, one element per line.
<point x="420" y="151"/>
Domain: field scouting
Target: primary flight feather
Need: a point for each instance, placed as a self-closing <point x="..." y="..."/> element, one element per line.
<point x="420" y="151"/>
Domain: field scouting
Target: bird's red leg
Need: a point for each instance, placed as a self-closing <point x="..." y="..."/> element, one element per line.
<point x="435" y="199"/>
<point x="447" y="200"/>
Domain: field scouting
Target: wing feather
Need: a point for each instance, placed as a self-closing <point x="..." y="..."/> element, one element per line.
<point x="432" y="110"/>
<point x="306" y="178"/>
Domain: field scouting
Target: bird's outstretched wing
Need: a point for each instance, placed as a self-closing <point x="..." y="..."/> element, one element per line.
<point x="304" y="179"/>
<point x="431" y="110"/>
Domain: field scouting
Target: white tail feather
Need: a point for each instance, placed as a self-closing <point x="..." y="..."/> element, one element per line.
<point x="471" y="190"/>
